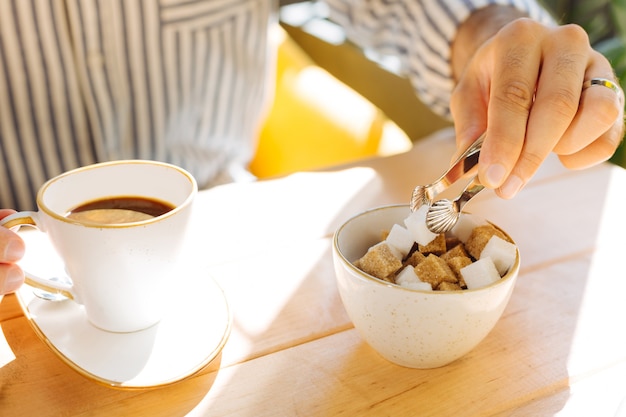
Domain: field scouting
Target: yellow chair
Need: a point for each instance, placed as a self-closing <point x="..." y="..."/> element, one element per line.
<point x="317" y="121"/>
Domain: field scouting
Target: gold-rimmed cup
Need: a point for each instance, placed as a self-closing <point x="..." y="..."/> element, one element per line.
<point x="119" y="269"/>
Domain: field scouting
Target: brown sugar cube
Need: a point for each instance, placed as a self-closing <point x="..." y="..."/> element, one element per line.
<point x="479" y="237"/>
<point x="380" y="261"/>
<point x="458" y="250"/>
<point x="414" y="259"/>
<point x="456" y="264"/>
<point x="434" y="270"/>
<point x="448" y="286"/>
<point x="437" y="246"/>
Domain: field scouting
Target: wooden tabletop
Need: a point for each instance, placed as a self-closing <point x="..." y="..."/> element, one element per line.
<point x="558" y="350"/>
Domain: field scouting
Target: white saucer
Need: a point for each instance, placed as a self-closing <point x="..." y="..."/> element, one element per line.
<point x="192" y="333"/>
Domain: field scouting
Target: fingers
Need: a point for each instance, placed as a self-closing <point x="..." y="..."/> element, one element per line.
<point x="496" y="93"/>
<point x="11" y="278"/>
<point x="11" y="250"/>
<point x="5" y="212"/>
<point x="470" y="121"/>
<point x="523" y="137"/>
<point x="599" y="119"/>
<point x="515" y="76"/>
<point x="11" y="245"/>
<point x="598" y="150"/>
<point x="525" y="87"/>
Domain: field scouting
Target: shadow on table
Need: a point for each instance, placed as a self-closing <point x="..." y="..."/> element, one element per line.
<point x="526" y="363"/>
<point x="85" y="397"/>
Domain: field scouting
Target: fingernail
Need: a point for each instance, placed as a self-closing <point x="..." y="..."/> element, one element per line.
<point x="511" y="186"/>
<point x="13" y="280"/>
<point x="13" y="251"/>
<point x="495" y="175"/>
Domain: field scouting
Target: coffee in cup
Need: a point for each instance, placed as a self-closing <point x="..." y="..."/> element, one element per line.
<point x="119" y="228"/>
<point x="116" y="210"/>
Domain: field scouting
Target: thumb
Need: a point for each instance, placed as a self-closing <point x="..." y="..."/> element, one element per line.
<point x="468" y="106"/>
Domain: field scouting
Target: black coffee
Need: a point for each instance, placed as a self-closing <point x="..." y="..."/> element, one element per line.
<point x="115" y="210"/>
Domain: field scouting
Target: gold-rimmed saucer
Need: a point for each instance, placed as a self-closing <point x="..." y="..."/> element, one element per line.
<point x="192" y="333"/>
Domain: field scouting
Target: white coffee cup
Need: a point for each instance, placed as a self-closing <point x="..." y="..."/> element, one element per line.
<point x="119" y="272"/>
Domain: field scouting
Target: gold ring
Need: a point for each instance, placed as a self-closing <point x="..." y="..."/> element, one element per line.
<point x="605" y="83"/>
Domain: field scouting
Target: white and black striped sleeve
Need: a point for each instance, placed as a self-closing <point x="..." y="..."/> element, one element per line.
<point x="421" y="33"/>
<point x="85" y="81"/>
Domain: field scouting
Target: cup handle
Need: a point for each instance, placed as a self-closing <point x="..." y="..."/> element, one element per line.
<point x="29" y="218"/>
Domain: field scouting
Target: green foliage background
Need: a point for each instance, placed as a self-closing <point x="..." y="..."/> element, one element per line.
<point x="605" y="22"/>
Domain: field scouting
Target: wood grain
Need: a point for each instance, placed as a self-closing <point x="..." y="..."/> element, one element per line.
<point x="293" y="350"/>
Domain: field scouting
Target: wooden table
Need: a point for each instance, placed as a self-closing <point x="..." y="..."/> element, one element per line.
<point x="559" y="349"/>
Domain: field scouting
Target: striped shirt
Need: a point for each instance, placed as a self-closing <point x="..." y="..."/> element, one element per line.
<point x="421" y="33"/>
<point x="182" y="81"/>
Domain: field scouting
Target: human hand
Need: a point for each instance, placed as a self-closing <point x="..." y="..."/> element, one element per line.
<point x="524" y="86"/>
<point x="11" y="250"/>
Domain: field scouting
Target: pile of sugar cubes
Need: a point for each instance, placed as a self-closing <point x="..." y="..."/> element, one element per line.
<point x="472" y="255"/>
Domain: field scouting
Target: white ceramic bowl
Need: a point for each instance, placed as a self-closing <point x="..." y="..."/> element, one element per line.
<point x="412" y="328"/>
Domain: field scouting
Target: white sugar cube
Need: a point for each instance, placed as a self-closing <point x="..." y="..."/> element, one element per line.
<point x="480" y="273"/>
<point x="416" y="224"/>
<point x="464" y="226"/>
<point x="501" y="252"/>
<point x="400" y="238"/>
<point x="422" y="286"/>
<point x="409" y="279"/>
<point x="407" y="275"/>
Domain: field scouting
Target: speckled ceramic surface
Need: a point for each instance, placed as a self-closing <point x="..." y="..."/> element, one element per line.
<point x="417" y="329"/>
